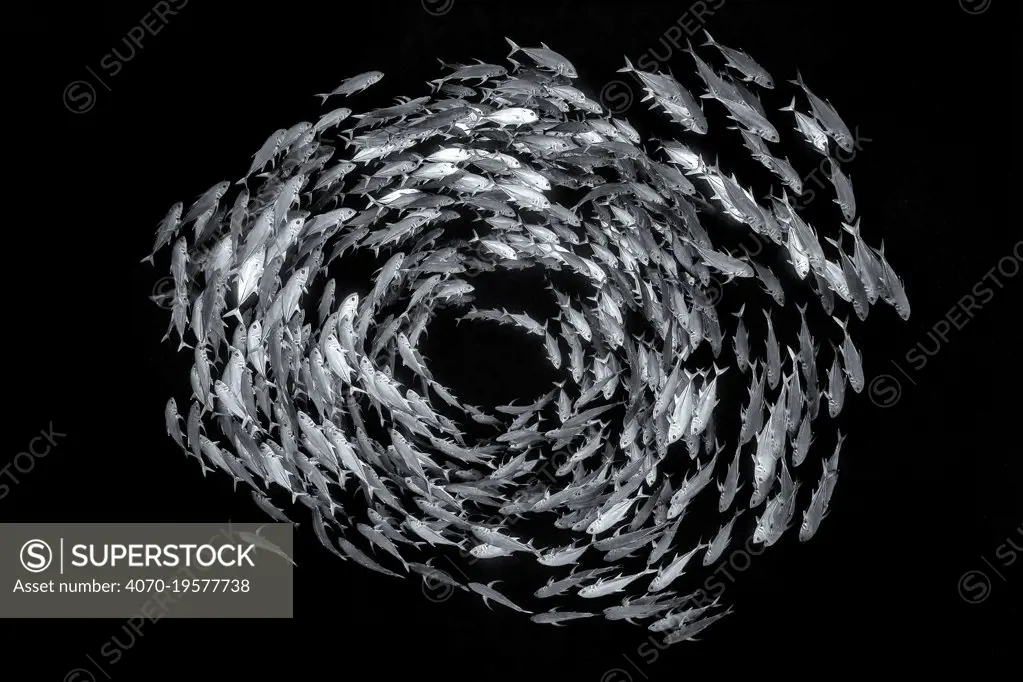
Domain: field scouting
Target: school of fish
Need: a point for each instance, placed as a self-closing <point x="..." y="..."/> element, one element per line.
<point x="327" y="401"/>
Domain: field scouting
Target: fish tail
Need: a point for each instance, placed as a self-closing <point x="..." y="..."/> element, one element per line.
<point x="791" y="106"/>
<point x="710" y="41"/>
<point x="236" y="312"/>
<point x="514" y="48"/>
<point x="148" y="259"/>
<point x="628" y="67"/>
<point x="853" y="229"/>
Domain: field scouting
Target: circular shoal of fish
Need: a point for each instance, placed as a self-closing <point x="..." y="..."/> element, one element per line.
<point x="692" y="383"/>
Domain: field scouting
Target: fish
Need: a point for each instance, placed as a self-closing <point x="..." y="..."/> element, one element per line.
<point x="827" y="117"/>
<point x="353" y="85"/>
<point x="546" y="58"/>
<point x="602" y="587"/>
<point x="166" y="230"/>
<point x="844" y="196"/>
<point x="836" y="385"/>
<point x="488" y="592"/>
<point x="671" y="572"/>
<point x="743" y="63"/>
<point x="720" y="542"/>
<point x="307" y="294"/>
<point x="556" y="618"/>
<point x="173" y="420"/>
<point x="817" y="511"/>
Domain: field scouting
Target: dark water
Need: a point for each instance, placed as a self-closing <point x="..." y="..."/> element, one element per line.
<point x="927" y="490"/>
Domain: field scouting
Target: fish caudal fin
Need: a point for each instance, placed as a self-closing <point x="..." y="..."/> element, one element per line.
<point x="514" y="48"/>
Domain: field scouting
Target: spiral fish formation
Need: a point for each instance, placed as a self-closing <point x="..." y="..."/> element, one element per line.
<point x="600" y="482"/>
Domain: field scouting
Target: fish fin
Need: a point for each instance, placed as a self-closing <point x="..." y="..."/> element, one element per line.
<point x="515" y="48"/>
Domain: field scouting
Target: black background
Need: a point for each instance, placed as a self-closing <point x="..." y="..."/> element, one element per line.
<point x="930" y="485"/>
